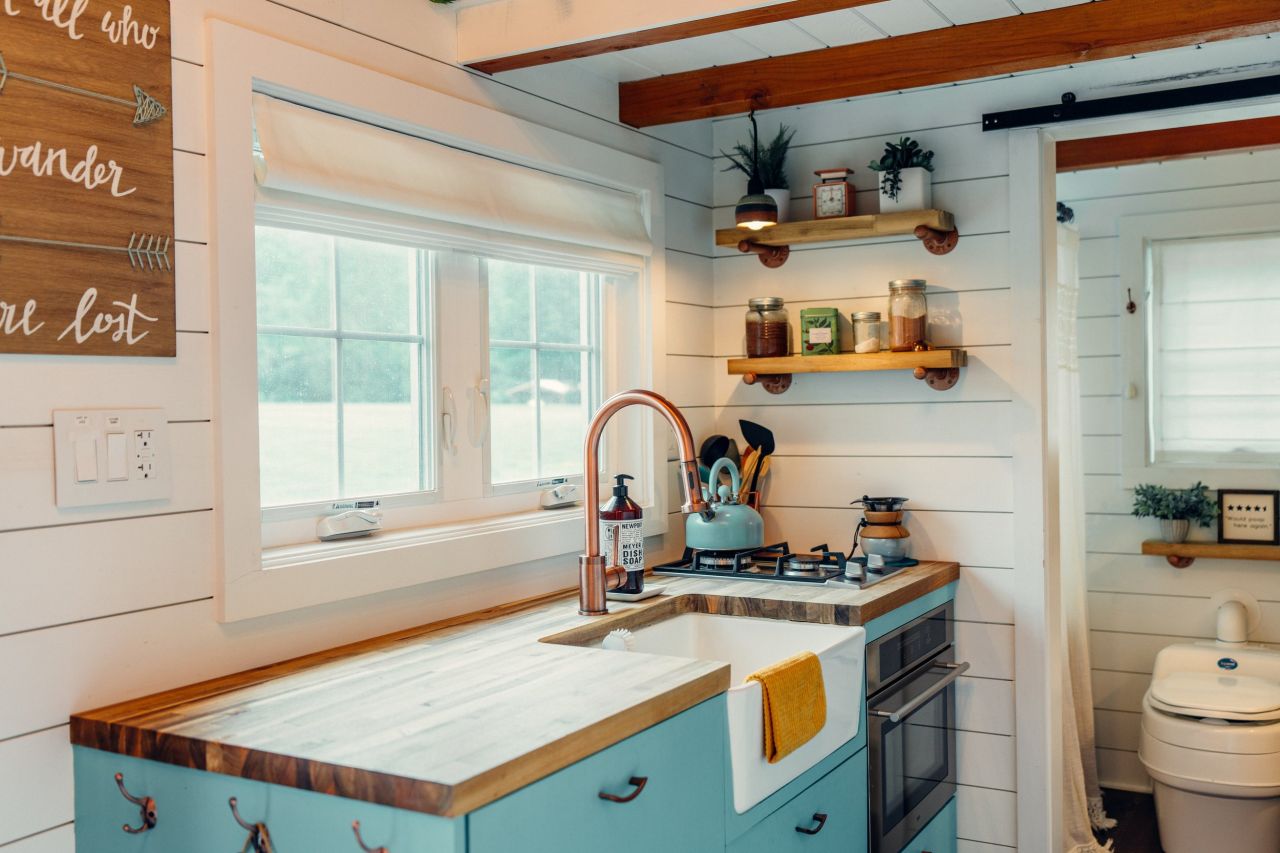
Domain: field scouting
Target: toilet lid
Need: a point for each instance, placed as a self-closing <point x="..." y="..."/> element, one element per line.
<point x="1210" y="694"/>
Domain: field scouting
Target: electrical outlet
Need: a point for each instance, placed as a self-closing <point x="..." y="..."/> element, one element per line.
<point x="110" y="457"/>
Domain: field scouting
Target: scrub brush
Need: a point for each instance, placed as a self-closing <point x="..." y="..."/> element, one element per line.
<point x="619" y="640"/>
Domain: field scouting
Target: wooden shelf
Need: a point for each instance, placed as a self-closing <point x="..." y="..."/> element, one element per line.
<point x="939" y="367"/>
<point x="1185" y="553"/>
<point x="935" y="228"/>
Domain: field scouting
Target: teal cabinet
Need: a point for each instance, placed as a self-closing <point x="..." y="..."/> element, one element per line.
<point x="938" y="835"/>
<point x="681" y="806"/>
<point x="194" y="815"/>
<point x="830" y="816"/>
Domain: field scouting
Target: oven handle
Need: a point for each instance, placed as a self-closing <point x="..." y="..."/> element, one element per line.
<point x="957" y="670"/>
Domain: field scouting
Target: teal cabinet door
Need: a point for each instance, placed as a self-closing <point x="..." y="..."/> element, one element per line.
<point x="193" y="815"/>
<point x="828" y="817"/>
<point x="669" y="778"/>
<point x="938" y="835"/>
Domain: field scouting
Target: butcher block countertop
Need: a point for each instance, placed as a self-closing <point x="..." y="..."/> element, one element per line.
<point x="448" y="717"/>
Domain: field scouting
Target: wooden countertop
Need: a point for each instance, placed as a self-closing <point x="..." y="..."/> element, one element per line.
<point x="448" y="717"/>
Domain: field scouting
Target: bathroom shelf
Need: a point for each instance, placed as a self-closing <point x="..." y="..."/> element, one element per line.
<point x="1185" y="553"/>
<point x="935" y="228"/>
<point x="940" y="368"/>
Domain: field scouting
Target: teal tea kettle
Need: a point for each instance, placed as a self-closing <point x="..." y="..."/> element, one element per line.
<point x="734" y="526"/>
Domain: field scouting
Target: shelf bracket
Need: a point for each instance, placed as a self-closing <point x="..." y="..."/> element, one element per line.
<point x="771" y="256"/>
<point x="938" y="378"/>
<point x="937" y="242"/>
<point x="774" y="383"/>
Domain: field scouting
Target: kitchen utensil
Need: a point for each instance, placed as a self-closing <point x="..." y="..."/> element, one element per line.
<point x="761" y="438"/>
<point x="734" y="526"/>
<point x="880" y="532"/>
<point x="714" y="447"/>
<point x="880" y="504"/>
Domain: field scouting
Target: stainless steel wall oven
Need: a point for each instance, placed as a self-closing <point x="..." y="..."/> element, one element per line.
<point x="911" y="715"/>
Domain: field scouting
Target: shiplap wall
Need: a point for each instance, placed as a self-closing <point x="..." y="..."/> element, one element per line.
<point x="841" y="436"/>
<point x="106" y="604"/>
<point x="1137" y="604"/>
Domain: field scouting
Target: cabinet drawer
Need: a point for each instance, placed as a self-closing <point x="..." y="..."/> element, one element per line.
<point x="841" y="796"/>
<point x="193" y="815"/>
<point x="938" y="835"/>
<point x="681" y="806"/>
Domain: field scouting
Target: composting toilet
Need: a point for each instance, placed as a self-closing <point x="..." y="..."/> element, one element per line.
<point x="1211" y="738"/>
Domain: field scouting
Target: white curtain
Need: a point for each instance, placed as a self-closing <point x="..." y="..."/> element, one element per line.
<point x="1083" y="801"/>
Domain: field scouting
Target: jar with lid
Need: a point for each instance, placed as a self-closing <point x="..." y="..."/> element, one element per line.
<point x="768" y="328"/>
<point x="866" y="331"/>
<point x="908" y="314"/>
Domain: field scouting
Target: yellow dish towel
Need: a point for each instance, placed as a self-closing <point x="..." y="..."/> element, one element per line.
<point x="795" y="704"/>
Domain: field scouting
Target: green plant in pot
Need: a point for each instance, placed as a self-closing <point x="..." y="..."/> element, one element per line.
<point x="765" y="165"/>
<point x="905" y="182"/>
<point x="1175" y="508"/>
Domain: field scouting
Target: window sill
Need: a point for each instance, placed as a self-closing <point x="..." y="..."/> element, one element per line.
<point x="297" y="576"/>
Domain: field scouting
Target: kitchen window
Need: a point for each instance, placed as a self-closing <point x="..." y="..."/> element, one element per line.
<point x="1198" y="355"/>
<point x="419" y="300"/>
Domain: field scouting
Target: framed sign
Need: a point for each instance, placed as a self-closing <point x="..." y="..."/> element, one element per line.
<point x="86" y="178"/>
<point x="1248" y="517"/>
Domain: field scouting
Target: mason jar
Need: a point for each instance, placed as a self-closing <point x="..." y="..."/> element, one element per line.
<point x="768" y="328"/>
<point x="866" y="331"/>
<point x="908" y="314"/>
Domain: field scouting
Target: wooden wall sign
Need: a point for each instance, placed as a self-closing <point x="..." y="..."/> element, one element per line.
<point x="86" y="178"/>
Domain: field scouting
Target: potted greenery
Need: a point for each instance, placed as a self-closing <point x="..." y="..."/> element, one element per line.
<point x="768" y="162"/>
<point x="1176" y="508"/>
<point x="904" y="182"/>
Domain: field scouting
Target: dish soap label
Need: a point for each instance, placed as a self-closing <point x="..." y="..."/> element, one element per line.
<point x="622" y="535"/>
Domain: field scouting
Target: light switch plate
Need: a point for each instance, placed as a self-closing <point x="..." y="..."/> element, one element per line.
<point x="142" y="435"/>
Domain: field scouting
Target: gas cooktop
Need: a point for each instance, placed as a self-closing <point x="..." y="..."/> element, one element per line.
<point x="778" y="562"/>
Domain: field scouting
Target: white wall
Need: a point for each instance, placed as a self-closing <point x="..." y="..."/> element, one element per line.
<point x="1137" y="604"/>
<point x="843" y="435"/>
<point x="101" y="606"/>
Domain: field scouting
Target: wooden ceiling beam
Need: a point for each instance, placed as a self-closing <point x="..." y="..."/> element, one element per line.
<point x="1098" y="30"/>
<point x="709" y="25"/>
<point x="1126" y="149"/>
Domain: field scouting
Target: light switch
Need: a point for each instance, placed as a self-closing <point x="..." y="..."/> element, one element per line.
<point x="86" y="449"/>
<point x="117" y="451"/>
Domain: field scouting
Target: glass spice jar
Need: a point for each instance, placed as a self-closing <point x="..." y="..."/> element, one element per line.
<point x="908" y="314"/>
<point x="866" y="331"/>
<point x="768" y="328"/>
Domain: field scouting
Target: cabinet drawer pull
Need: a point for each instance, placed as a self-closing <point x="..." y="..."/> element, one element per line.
<point x="355" y="827"/>
<point x="638" y="781"/>
<point x="814" y="830"/>
<point x="146" y="808"/>
<point x="259" y="840"/>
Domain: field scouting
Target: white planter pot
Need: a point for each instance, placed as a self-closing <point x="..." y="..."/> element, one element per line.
<point x="1175" y="530"/>
<point x="783" y="199"/>
<point x="916" y="192"/>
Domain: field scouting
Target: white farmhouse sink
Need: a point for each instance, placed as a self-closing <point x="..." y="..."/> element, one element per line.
<point x="748" y="644"/>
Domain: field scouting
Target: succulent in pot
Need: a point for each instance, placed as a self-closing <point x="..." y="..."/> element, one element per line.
<point x="905" y="182"/>
<point x="1175" y="508"/>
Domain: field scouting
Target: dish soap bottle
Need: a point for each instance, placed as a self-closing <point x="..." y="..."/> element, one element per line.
<point x="622" y="535"/>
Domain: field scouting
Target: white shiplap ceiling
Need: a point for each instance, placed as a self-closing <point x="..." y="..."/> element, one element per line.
<point x="847" y="26"/>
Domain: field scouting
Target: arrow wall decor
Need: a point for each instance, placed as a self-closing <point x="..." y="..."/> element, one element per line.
<point x="146" y="108"/>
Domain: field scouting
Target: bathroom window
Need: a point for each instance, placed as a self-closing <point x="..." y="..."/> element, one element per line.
<point x="1201" y="356"/>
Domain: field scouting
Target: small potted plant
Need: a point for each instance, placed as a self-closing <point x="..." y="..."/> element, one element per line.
<point x="1176" y="508"/>
<point x="905" y="183"/>
<point x="768" y="162"/>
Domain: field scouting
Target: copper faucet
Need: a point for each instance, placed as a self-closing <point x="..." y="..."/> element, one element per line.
<point x="595" y="576"/>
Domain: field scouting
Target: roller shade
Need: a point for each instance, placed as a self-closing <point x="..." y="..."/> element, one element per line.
<point x="318" y="154"/>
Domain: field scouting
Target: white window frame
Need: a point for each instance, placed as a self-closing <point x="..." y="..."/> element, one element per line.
<point x="256" y="583"/>
<point x="1136" y="234"/>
